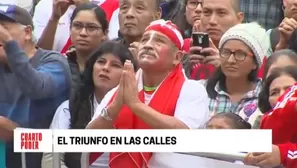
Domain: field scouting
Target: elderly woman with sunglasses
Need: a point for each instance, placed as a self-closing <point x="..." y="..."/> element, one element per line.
<point x="234" y="87"/>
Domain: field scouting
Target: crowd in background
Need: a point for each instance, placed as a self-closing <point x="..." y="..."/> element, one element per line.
<point x="133" y="64"/>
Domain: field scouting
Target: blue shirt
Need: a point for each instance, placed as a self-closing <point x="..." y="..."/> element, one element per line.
<point x="32" y="89"/>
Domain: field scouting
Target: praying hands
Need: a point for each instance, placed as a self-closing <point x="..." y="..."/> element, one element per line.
<point x="127" y="92"/>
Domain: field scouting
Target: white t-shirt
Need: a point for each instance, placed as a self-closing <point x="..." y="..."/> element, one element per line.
<point x="43" y="12"/>
<point x="191" y="109"/>
<point x="61" y="120"/>
<point x="62" y="117"/>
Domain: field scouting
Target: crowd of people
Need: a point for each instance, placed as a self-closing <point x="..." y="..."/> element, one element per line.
<point x="133" y="64"/>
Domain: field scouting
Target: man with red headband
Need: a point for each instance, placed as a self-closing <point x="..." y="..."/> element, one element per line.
<point x="159" y="96"/>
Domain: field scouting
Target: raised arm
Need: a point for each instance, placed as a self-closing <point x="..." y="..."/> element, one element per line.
<point x="50" y="78"/>
<point x="46" y="27"/>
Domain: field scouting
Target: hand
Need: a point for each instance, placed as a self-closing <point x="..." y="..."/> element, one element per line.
<point x="134" y="49"/>
<point x="116" y="105"/>
<point x="119" y="99"/>
<point x="59" y="8"/>
<point x="213" y="55"/>
<point x="4" y="35"/>
<point x="197" y="26"/>
<point x="264" y="159"/>
<point x="130" y="85"/>
<point x="6" y="128"/>
<point x="286" y="28"/>
<point x="195" y="58"/>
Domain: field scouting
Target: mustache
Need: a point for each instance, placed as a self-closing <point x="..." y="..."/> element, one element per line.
<point x="147" y="52"/>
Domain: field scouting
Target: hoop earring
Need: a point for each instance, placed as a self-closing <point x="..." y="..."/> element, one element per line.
<point x="283" y="8"/>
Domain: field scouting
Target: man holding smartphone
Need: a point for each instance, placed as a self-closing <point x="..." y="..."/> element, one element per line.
<point x="217" y="17"/>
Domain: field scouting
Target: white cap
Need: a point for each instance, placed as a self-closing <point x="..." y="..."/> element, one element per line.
<point x="253" y="35"/>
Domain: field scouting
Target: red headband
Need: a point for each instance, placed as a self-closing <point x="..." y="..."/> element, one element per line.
<point x="168" y="29"/>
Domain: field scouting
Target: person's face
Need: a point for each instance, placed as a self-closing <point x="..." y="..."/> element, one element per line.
<point x="290" y="8"/>
<point x="218" y="123"/>
<point x="156" y="52"/>
<point x="107" y="72"/>
<point x="86" y="32"/>
<point x="278" y="87"/>
<point x="218" y="16"/>
<point x="281" y="62"/>
<point x="136" y="15"/>
<point x="193" y="11"/>
<point x="18" y="32"/>
<point x="236" y="59"/>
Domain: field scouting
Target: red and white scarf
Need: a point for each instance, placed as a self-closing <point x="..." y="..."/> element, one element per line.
<point x="163" y="100"/>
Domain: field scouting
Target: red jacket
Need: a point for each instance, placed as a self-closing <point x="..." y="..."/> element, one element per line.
<point x="283" y="122"/>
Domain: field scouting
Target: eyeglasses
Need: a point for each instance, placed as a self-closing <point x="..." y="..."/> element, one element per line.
<point x="238" y="55"/>
<point x="192" y="4"/>
<point x="91" y="29"/>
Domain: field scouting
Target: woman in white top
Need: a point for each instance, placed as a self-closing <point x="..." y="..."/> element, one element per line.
<point x="102" y="73"/>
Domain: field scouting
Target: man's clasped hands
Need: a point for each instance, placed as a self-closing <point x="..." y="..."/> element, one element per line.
<point x="127" y="92"/>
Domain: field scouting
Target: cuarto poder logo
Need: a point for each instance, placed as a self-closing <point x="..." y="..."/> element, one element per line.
<point x="31" y="140"/>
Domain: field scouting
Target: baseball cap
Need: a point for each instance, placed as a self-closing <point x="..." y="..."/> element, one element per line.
<point x="16" y="14"/>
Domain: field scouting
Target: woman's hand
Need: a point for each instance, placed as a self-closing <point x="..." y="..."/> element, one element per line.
<point x="59" y="8"/>
<point x="286" y="29"/>
<point x="272" y="159"/>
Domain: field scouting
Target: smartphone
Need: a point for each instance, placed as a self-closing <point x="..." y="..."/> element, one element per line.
<point x="200" y="40"/>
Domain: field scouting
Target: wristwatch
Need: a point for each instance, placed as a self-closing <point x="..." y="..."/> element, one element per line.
<point x="104" y="114"/>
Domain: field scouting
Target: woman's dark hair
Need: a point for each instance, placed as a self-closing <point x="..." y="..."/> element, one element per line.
<point x="81" y="108"/>
<point x="99" y="13"/>
<point x="275" y="56"/>
<point x="234" y="120"/>
<point x="81" y="104"/>
<point x="219" y="77"/>
<point x="177" y="10"/>
<point x="263" y="101"/>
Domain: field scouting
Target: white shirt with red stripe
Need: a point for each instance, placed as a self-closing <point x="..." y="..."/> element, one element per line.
<point x="43" y="12"/>
<point x="191" y="109"/>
